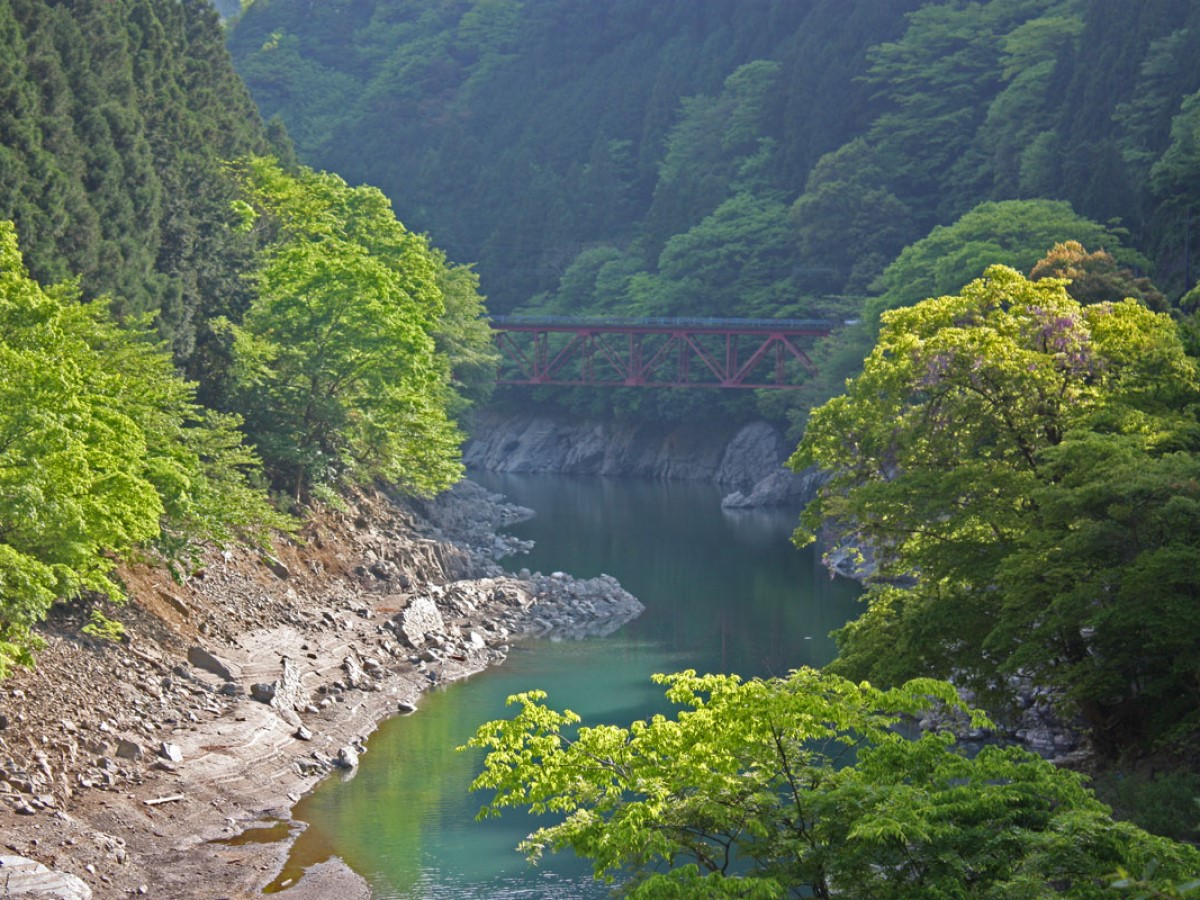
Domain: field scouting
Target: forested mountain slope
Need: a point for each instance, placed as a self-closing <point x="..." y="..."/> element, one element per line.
<point x="115" y="118"/>
<point x="723" y="157"/>
<point x="186" y="320"/>
<point x="528" y="133"/>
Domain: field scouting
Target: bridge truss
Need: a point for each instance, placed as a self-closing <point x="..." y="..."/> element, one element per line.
<point x="680" y="353"/>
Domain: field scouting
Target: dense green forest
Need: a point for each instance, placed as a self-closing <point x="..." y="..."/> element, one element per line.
<point x="115" y="120"/>
<point x="186" y="322"/>
<point x="762" y="159"/>
<point x="202" y="331"/>
<point x="1027" y="446"/>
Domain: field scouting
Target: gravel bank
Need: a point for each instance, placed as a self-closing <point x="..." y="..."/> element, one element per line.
<point x="239" y="687"/>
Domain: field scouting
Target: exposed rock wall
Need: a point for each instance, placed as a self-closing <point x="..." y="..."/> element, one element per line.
<point x="748" y="459"/>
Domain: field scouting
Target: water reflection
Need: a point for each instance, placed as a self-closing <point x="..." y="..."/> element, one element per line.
<point x="724" y="592"/>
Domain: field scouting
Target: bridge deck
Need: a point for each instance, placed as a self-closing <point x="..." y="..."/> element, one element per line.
<point x="662" y="325"/>
<point x="656" y="352"/>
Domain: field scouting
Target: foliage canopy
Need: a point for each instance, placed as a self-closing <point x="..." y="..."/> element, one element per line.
<point x="801" y="786"/>
<point x="684" y="158"/>
<point x="336" y="361"/>
<point x="1024" y="470"/>
<point x="102" y="449"/>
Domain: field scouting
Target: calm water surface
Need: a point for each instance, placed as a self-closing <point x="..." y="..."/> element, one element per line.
<point x="724" y="592"/>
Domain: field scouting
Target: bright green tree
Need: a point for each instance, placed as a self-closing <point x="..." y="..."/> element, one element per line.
<point x="802" y="786"/>
<point x="102" y="450"/>
<point x="463" y="336"/>
<point x="987" y="454"/>
<point x="336" y="360"/>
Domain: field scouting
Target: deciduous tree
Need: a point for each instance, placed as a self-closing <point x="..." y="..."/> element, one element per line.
<point x="987" y="455"/>
<point x="102" y="450"/>
<point x="336" y="361"/>
<point x="1014" y="233"/>
<point x="801" y="786"/>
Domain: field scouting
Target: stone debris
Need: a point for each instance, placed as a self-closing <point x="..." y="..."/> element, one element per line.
<point x="130" y="750"/>
<point x="420" y="618"/>
<point x="267" y="683"/>
<point x="1035" y="724"/>
<point x="21" y="877"/>
<point x="347" y="758"/>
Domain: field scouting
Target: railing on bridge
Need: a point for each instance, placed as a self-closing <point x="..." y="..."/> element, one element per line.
<point x="658" y="352"/>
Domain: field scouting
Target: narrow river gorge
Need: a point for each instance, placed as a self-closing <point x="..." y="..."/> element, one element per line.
<point x="724" y="591"/>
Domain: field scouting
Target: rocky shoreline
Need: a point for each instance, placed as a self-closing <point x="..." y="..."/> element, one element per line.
<point x="747" y="459"/>
<point x="238" y="688"/>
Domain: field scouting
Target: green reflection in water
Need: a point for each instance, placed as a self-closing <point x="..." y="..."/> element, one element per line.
<point x="723" y="593"/>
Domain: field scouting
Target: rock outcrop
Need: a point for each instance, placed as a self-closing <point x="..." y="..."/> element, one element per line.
<point x="748" y="459"/>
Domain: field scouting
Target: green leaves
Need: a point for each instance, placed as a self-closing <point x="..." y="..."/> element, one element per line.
<point x="1013" y="459"/>
<point x="1015" y="233"/>
<point x="73" y="473"/>
<point x="336" y="360"/>
<point x="102" y="449"/>
<point x="767" y="788"/>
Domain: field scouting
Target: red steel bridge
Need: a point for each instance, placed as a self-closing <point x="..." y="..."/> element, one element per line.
<point x="683" y="353"/>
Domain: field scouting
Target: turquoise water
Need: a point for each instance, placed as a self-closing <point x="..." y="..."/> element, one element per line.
<point x="723" y="592"/>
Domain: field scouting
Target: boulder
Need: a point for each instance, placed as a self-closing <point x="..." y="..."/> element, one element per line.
<point x="756" y="451"/>
<point x="23" y="877"/>
<point x="263" y="692"/>
<point x="203" y="659"/>
<point x="289" y="689"/>
<point x="276" y="566"/>
<point x="355" y="676"/>
<point x="129" y="750"/>
<point x="420" y="618"/>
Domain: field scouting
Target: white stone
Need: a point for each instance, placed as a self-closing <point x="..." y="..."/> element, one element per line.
<point x="420" y="618"/>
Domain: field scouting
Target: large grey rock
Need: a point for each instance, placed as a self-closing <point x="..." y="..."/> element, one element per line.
<point x="355" y="676"/>
<point x="21" y="877"/>
<point x="276" y="566"/>
<point x="533" y="443"/>
<point x="203" y="659"/>
<point x="779" y="488"/>
<point x="749" y="459"/>
<point x="127" y="749"/>
<point x="263" y="692"/>
<point x="289" y="689"/>
<point x="756" y="452"/>
<point x="420" y="618"/>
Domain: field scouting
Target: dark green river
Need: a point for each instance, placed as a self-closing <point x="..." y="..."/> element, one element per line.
<point x="723" y="592"/>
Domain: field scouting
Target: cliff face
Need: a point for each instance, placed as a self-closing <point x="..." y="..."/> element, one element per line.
<point x="747" y="459"/>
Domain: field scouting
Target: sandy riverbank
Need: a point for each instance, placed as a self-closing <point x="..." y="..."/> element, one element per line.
<point x="242" y="686"/>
